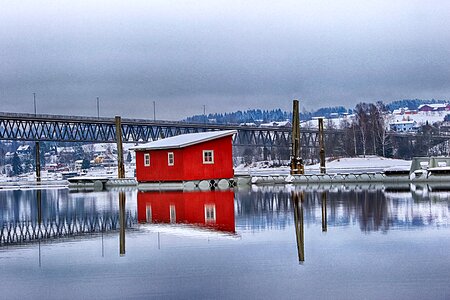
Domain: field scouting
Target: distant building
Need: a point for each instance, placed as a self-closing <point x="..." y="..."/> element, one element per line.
<point x="404" y="111"/>
<point x="187" y="157"/>
<point x="249" y="124"/>
<point x="280" y="124"/>
<point x="436" y="107"/>
<point x="403" y="126"/>
<point x="24" y="150"/>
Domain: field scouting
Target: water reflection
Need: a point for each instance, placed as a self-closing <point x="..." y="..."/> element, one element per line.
<point x="213" y="210"/>
<point x="264" y="208"/>
<point x="122" y="221"/>
<point x="36" y="215"/>
<point x="324" y="212"/>
<point x="299" y="223"/>
<point x="262" y="262"/>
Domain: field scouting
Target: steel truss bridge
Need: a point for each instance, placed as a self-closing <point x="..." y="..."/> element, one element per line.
<point x="30" y="127"/>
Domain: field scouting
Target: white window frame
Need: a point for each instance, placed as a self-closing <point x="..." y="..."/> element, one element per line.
<point x="147" y="159"/>
<point x="212" y="156"/>
<point x="170" y="159"/>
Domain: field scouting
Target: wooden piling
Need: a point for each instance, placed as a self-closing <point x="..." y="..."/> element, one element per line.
<point x="122" y="223"/>
<point x="120" y="165"/>
<point x="322" y="147"/>
<point x="38" y="162"/>
<point x="296" y="161"/>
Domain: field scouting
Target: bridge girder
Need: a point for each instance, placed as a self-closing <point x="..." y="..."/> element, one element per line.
<point x="27" y="127"/>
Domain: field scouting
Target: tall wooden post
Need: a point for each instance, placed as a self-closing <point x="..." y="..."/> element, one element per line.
<point x="322" y="147"/>
<point x="38" y="162"/>
<point x="122" y="223"/>
<point x="296" y="161"/>
<point x="120" y="166"/>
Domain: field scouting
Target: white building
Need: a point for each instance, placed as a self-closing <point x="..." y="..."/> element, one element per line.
<point x="403" y="126"/>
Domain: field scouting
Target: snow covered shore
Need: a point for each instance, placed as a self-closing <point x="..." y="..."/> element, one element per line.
<point x="342" y="165"/>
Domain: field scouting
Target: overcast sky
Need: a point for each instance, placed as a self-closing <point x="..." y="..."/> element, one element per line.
<point x="227" y="55"/>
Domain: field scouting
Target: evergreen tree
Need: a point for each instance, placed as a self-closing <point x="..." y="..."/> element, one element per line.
<point x="86" y="164"/>
<point x="16" y="165"/>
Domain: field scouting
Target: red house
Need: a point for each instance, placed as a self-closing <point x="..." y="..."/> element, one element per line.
<point x="211" y="210"/>
<point x="187" y="157"/>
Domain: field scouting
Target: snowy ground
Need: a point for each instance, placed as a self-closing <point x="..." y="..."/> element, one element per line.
<point x="342" y="165"/>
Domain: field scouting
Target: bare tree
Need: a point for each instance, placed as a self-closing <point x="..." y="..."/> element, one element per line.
<point x="382" y="126"/>
<point x="362" y="121"/>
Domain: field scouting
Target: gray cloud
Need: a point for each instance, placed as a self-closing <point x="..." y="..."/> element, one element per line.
<point x="226" y="54"/>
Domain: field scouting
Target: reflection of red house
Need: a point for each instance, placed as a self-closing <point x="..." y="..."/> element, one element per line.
<point x="211" y="209"/>
<point x="194" y="156"/>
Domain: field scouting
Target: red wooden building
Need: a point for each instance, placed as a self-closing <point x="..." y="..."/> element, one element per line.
<point x="212" y="209"/>
<point x="187" y="157"/>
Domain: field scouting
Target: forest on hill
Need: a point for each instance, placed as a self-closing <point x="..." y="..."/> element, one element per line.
<point x="263" y="116"/>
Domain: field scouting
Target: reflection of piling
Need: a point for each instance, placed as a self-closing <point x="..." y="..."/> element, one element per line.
<point x="39" y="206"/>
<point x="39" y="219"/>
<point x="122" y="199"/>
<point x="38" y="163"/>
<point x="299" y="230"/>
<point x="296" y="161"/>
<point x="324" y="212"/>
<point x="120" y="166"/>
<point x="322" y="147"/>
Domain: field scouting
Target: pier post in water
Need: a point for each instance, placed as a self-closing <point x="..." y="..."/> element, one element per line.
<point x="120" y="166"/>
<point x="296" y="161"/>
<point x="322" y="147"/>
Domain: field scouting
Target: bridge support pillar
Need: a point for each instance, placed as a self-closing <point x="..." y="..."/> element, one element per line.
<point x="120" y="165"/>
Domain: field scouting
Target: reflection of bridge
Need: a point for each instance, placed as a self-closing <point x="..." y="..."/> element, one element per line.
<point x="14" y="232"/>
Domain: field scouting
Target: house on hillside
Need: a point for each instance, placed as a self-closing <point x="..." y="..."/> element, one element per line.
<point x="24" y="150"/>
<point x="435" y="107"/>
<point x="404" y="111"/>
<point x="279" y="124"/>
<point x="403" y="126"/>
<point x="187" y="157"/>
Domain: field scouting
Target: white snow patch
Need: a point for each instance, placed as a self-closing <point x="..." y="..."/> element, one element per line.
<point x="184" y="140"/>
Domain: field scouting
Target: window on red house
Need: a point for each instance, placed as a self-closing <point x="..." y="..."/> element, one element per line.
<point x="170" y="159"/>
<point x="208" y="156"/>
<point x="147" y="159"/>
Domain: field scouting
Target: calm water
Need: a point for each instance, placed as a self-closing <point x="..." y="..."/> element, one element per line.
<point x="270" y="242"/>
